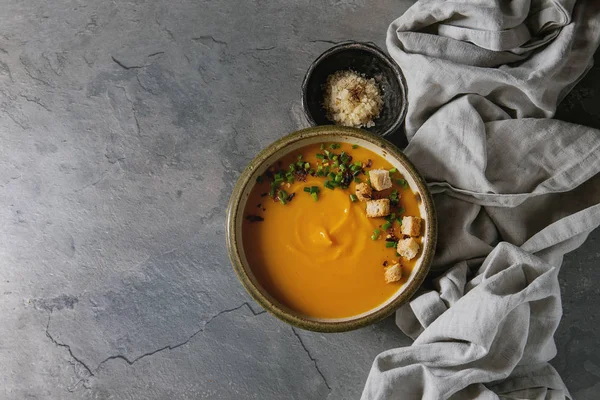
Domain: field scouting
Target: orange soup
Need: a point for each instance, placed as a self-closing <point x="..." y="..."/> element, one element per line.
<point x="308" y="239"/>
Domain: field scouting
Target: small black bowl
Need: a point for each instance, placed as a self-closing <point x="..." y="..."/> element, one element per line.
<point x="368" y="60"/>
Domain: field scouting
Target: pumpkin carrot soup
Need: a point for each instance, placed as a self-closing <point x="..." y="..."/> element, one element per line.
<point x="331" y="230"/>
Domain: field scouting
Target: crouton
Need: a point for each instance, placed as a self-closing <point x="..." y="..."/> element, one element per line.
<point x="393" y="273"/>
<point x="378" y="208"/>
<point x="380" y="179"/>
<point x="408" y="248"/>
<point x="411" y="226"/>
<point x="363" y="192"/>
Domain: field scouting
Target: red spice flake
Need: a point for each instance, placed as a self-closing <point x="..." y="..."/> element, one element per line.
<point x="300" y="175"/>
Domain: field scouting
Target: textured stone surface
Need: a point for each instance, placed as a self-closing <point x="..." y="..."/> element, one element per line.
<point x="123" y="126"/>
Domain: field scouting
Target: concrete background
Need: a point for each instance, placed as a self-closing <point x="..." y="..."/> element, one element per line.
<point x="123" y="127"/>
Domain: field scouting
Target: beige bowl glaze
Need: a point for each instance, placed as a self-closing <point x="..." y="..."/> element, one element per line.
<point x="289" y="144"/>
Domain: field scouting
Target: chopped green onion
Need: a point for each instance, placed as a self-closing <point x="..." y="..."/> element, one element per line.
<point x="356" y="179"/>
<point x="282" y="196"/>
<point x="355" y="146"/>
<point x="399" y="221"/>
<point x="322" y="146"/>
<point x="375" y="235"/>
<point x="390" y="244"/>
<point x="401" y="210"/>
<point x="306" y="165"/>
<point x="299" y="157"/>
<point x="329" y="185"/>
<point x="397" y="254"/>
<point x="320" y="173"/>
<point x="320" y="156"/>
<point x="259" y="179"/>
<point x="335" y="158"/>
<point x="331" y="175"/>
<point x="314" y="189"/>
<point x="335" y="145"/>
<point x="278" y="182"/>
<point x="328" y="154"/>
<point x="299" y="164"/>
<point x="311" y="171"/>
<point x="343" y="168"/>
<point x="402" y="182"/>
<point x="393" y="170"/>
<point x="353" y="198"/>
<point x="307" y="189"/>
<point x="272" y="192"/>
<point x="338" y="178"/>
<point x="386" y="226"/>
<point x="392" y="216"/>
<point x="358" y="164"/>
<point x="315" y="196"/>
<point x="336" y="164"/>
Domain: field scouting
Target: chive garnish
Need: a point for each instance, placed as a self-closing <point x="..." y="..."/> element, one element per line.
<point x="402" y="183"/>
<point x="299" y="164"/>
<point x="314" y="189"/>
<point x="320" y="156"/>
<point x="322" y="146"/>
<point x="282" y="196"/>
<point x="376" y="233"/>
<point x="335" y="158"/>
<point x="355" y="146"/>
<point x="401" y="210"/>
<point x="393" y="170"/>
<point x="335" y="146"/>
<point x="386" y="226"/>
<point x="356" y="179"/>
<point x="307" y="189"/>
<point x="353" y="198"/>
<point x="306" y="165"/>
<point x="336" y="164"/>
<point x="331" y="175"/>
<point x="329" y="185"/>
<point x="299" y="157"/>
<point x="390" y="244"/>
<point x="399" y="221"/>
<point x="315" y="196"/>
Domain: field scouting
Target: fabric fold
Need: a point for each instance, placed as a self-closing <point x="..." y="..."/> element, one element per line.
<point x="514" y="191"/>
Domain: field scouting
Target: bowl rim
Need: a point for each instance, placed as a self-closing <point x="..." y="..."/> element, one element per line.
<point x="234" y="244"/>
<point x="373" y="49"/>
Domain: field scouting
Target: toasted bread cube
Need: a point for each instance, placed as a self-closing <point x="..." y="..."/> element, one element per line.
<point x="393" y="273"/>
<point x="411" y="226"/>
<point x="408" y="248"/>
<point x="378" y="208"/>
<point x="380" y="179"/>
<point x="363" y="192"/>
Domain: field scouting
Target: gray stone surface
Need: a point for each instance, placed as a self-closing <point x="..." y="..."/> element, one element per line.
<point x="123" y="127"/>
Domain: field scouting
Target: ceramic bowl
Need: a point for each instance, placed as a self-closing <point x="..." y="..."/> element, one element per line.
<point x="290" y="143"/>
<point x="363" y="58"/>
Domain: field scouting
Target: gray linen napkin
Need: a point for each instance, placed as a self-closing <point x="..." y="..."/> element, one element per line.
<point x="514" y="192"/>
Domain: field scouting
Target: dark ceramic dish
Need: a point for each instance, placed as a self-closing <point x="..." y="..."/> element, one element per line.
<point x="363" y="58"/>
<point x="292" y="142"/>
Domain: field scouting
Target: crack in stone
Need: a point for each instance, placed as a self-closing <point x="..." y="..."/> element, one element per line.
<point x="133" y="111"/>
<point x="314" y="360"/>
<point x="209" y="37"/>
<point x="35" y="100"/>
<point x="93" y="183"/>
<point x="28" y="72"/>
<point x="57" y="343"/>
<point x="125" y="67"/>
<point x="156" y="54"/>
<point x="173" y="347"/>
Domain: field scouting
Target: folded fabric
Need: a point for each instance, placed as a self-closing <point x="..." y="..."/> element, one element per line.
<point x="514" y="192"/>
